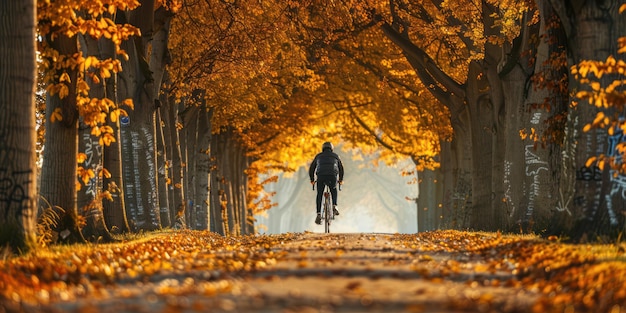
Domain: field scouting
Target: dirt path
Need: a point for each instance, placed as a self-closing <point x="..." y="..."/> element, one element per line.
<point x="312" y="272"/>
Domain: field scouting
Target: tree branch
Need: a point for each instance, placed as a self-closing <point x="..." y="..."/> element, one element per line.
<point x="425" y="64"/>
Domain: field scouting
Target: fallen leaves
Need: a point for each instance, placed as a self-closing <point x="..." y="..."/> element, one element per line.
<point x="64" y="273"/>
<point x="181" y="264"/>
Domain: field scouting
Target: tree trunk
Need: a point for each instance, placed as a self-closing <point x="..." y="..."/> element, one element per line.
<point x="18" y="170"/>
<point x="202" y="169"/>
<point x="163" y="174"/>
<point x="138" y="152"/>
<point x="229" y="184"/>
<point x="89" y="200"/>
<point x="175" y="187"/>
<point x="159" y="58"/>
<point x="58" y="175"/>
<point x="115" y="210"/>
<point x="138" y="135"/>
<point x="593" y="28"/>
<point x="190" y="119"/>
<point x="428" y="206"/>
<point x="482" y="133"/>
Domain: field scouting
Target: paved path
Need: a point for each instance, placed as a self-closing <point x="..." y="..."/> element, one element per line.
<point x="313" y="272"/>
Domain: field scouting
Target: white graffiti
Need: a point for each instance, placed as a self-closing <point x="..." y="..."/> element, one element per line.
<point x="536" y="118"/>
<point x="618" y="181"/>
<point x="534" y="165"/>
<point x="93" y="150"/>
<point x="507" y="185"/>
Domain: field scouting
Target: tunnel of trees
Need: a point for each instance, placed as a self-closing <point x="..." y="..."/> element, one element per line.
<point x="123" y="116"/>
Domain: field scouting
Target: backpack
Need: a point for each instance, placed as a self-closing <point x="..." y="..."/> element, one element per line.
<point x="327" y="164"/>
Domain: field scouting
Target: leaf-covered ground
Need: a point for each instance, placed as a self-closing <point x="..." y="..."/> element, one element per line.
<point x="442" y="271"/>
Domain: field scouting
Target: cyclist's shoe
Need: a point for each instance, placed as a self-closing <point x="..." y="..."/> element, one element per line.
<point x="335" y="211"/>
<point x="318" y="219"/>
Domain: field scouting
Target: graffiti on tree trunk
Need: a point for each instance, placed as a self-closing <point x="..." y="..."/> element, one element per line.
<point x="13" y="186"/>
<point x="534" y="166"/>
<point x="93" y="150"/>
<point x="13" y="183"/>
<point x="618" y="180"/>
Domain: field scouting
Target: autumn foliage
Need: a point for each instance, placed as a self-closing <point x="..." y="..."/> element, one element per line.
<point x="201" y="265"/>
<point x="233" y="91"/>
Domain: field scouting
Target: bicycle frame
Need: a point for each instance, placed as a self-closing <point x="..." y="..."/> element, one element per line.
<point x="327" y="207"/>
<point x="327" y="212"/>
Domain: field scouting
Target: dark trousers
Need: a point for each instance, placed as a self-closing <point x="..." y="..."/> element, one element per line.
<point x="331" y="181"/>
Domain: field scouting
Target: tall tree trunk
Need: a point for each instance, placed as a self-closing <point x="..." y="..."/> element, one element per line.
<point x="460" y="210"/>
<point x="544" y="103"/>
<point x="163" y="174"/>
<point x="183" y="143"/>
<point x="159" y="58"/>
<point x="528" y="176"/>
<point x="176" y="170"/>
<point x="428" y="206"/>
<point x="89" y="199"/>
<point x="593" y="28"/>
<point x="138" y="147"/>
<point x="229" y="184"/>
<point x="58" y="175"/>
<point x="18" y="170"/>
<point x="455" y="98"/>
<point x="202" y="169"/>
<point x="139" y="134"/>
<point x="115" y="210"/>
<point x="190" y="140"/>
<point x="482" y="137"/>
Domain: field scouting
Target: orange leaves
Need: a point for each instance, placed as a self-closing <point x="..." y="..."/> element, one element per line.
<point x="603" y="87"/>
<point x="84" y="175"/>
<point x="56" y="115"/>
<point x="599" y="68"/>
<point x="60" y="18"/>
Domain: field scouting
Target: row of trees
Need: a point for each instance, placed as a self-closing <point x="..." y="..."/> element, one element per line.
<point x="163" y="113"/>
<point x="528" y="74"/>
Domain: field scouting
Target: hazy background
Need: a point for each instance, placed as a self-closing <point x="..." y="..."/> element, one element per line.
<point x="372" y="199"/>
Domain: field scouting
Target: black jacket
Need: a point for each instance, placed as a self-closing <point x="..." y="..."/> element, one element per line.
<point x="326" y="163"/>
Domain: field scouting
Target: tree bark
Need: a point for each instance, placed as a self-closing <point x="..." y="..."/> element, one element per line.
<point x="114" y="211"/>
<point x="139" y="134"/>
<point x="202" y="169"/>
<point x="429" y="209"/>
<point x="593" y="28"/>
<point x="159" y="58"/>
<point x="89" y="200"/>
<point x="58" y="175"/>
<point x="163" y="174"/>
<point x="190" y="129"/>
<point x="18" y="170"/>
<point x="229" y="185"/>
<point x="176" y="170"/>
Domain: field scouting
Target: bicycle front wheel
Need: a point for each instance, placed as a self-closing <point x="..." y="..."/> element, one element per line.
<point x="327" y="211"/>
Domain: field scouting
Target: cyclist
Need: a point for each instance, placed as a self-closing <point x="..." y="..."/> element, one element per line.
<point x="327" y="165"/>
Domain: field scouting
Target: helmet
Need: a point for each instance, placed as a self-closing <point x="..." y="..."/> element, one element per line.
<point x="327" y="145"/>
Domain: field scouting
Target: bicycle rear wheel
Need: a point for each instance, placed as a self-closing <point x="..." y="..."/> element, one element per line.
<point x="327" y="209"/>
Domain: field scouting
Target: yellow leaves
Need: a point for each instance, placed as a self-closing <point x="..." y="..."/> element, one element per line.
<point x="106" y="139"/>
<point x="56" y="115"/>
<point x="85" y="175"/>
<point x="81" y="157"/>
<point x="65" y="78"/>
<point x="598" y="68"/>
<point x="116" y="114"/>
<point x="128" y="103"/>
<point x="621" y="42"/>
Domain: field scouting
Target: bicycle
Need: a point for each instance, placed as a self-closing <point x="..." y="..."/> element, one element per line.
<point x="327" y="212"/>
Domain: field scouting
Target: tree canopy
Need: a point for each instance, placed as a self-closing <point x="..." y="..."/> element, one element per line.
<point x="191" y="101"/>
